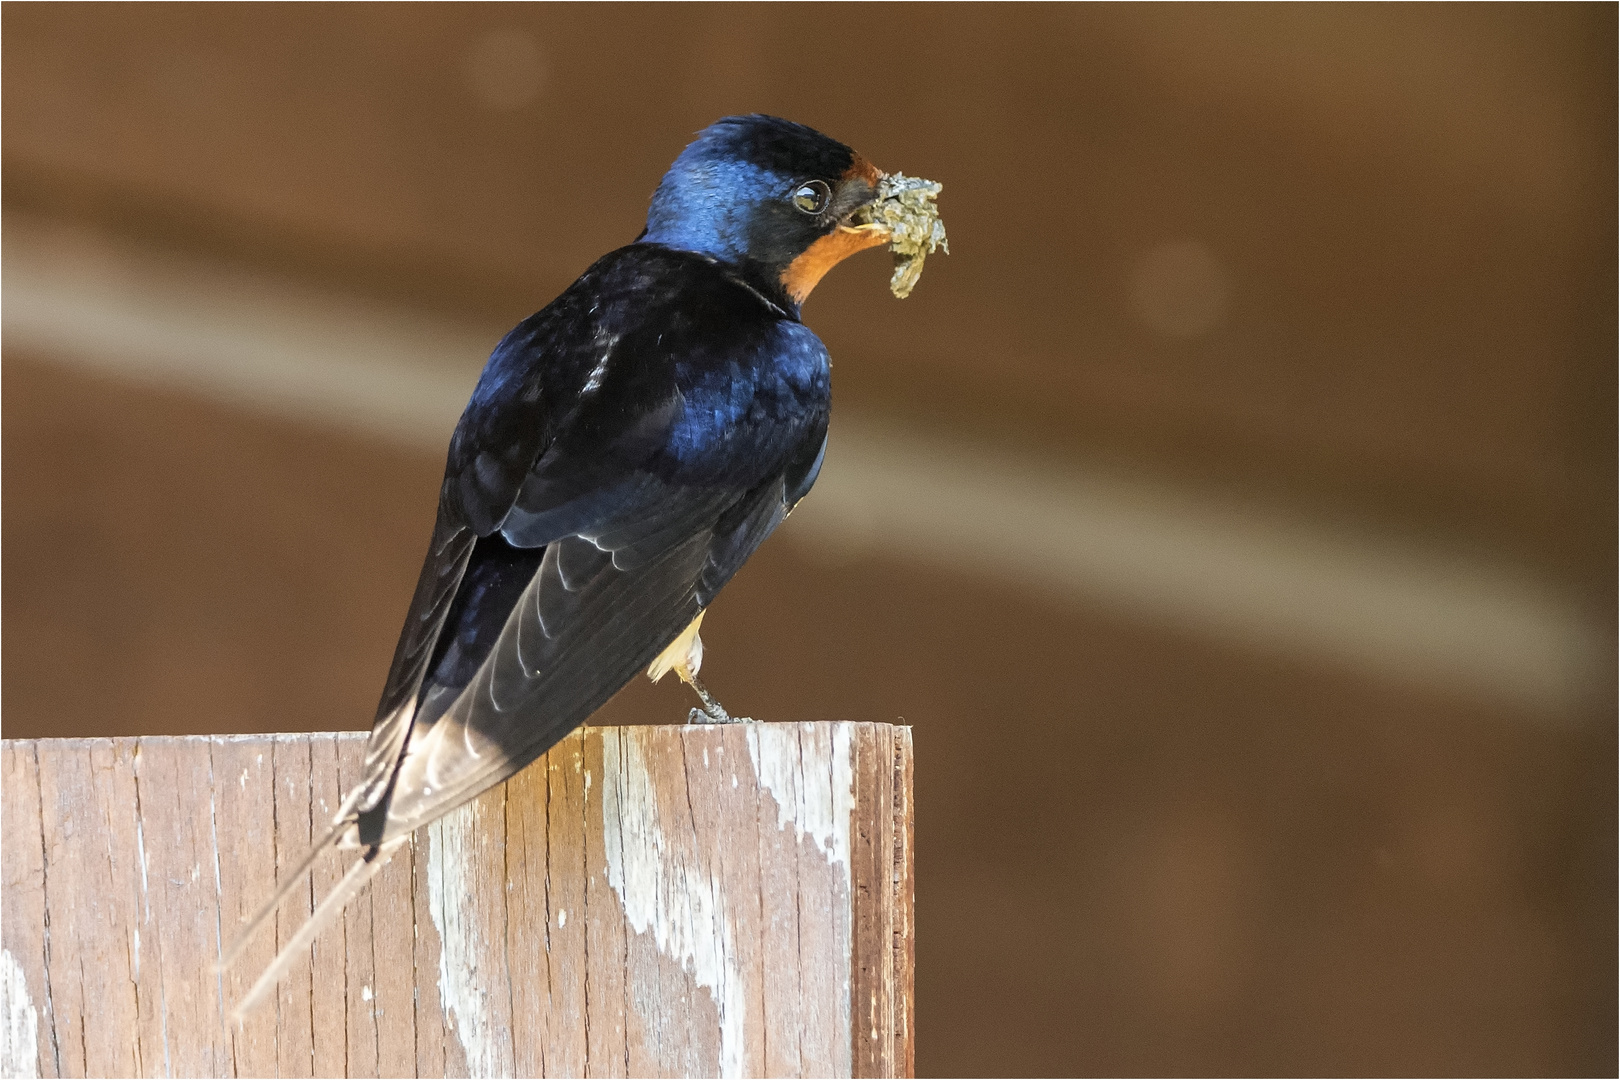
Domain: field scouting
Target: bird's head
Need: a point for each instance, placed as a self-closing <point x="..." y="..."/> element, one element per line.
<point x="773" y="198"/>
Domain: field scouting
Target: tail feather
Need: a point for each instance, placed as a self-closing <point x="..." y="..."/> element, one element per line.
<point x="343" y="820"/>
<point x="358" y="876"/>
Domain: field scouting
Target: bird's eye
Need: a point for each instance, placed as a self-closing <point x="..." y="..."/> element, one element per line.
<point x="812" y="197"/>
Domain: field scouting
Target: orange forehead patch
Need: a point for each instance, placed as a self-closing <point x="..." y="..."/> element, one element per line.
<point x="861" y="169"/>
<point x="805" y="272"/>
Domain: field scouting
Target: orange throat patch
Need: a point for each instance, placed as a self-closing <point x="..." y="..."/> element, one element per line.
<point x="805" y="272"/>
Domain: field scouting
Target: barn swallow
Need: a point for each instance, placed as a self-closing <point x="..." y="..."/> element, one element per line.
<point x="624" y="452"/>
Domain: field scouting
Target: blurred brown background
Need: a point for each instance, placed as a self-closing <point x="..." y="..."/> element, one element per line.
<point x="1340" y="279"/>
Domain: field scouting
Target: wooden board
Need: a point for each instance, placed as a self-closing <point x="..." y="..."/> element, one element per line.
<point x="650" y="901"/>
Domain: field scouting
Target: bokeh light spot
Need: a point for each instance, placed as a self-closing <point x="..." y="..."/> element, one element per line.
<point x="505" y="69"/>
<point x="1179" y="289"/>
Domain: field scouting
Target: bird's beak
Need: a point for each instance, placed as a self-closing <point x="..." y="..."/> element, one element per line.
<point x="871" y="234"/>
<point x="858" y="228"/>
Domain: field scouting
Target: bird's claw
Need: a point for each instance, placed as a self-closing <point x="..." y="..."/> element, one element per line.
<point x="699" y="716"/>
<point x="712" y="711"/>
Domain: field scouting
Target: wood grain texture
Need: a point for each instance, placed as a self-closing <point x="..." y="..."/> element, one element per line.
<point x="641" y="902"/>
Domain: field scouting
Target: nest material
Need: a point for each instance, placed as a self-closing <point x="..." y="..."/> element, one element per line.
<point x="905" y="206"/>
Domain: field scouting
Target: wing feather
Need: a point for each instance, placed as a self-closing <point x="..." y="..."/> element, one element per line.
<point x="442" y="570"/>
<point x="585" y="625"/>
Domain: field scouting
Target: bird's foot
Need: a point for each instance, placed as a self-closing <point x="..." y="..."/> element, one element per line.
<point x="698" y="716"/>
<point x="712" y="711"/>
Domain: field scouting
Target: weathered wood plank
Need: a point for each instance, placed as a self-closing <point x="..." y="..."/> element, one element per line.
<point x="244" y="819"/>
<point x="730" y="900"/>
<point x="28" y="1033"/>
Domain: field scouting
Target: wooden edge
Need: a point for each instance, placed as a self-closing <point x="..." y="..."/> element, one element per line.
<point x="905" y="937"/>
<point x="882" y="1000"/>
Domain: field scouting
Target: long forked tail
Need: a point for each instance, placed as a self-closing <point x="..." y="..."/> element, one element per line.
<point x="346" y="890"/>
<point x="288" y="884"/>
<point x="371" y="861"/>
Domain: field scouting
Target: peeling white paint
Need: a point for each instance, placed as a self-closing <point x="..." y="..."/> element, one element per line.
<point x="19" y="1035"/>
<point x="667" y="892"/>
<point x="219" y="893"/>
<point x="365" y="993"/>
<point x="562" y="919"/>
<point x="463" y="985"/>
<point x="140" y="850"/>
<point x="817" y="806"/>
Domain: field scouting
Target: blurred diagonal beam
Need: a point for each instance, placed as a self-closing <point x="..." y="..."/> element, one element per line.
<point x="1454" y="621"/>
